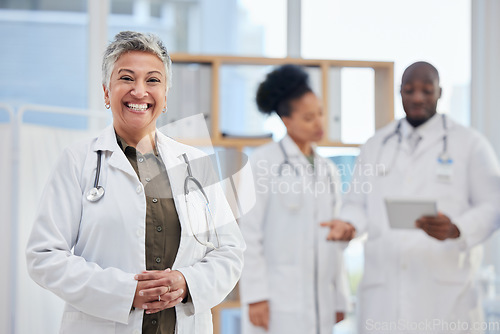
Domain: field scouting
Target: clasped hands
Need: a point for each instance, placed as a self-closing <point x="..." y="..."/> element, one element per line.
<point x="159" y="289"/>
<point x="439" y="227"/>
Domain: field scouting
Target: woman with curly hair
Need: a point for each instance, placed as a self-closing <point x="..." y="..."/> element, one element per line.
<point x="293" y="280"/>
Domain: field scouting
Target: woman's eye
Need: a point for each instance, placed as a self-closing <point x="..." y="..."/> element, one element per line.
<point x="126" y="78"/>
<point x="153" y="80"/>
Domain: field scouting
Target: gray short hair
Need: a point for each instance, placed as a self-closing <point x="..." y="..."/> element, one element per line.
<point x="134" y="41"/>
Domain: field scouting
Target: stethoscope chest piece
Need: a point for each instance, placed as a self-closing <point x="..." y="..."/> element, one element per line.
<point x="95" y="194"/>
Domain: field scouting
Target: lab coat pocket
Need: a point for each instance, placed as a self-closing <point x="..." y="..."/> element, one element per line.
<point x="374" y="273"/>
<point x="76" y="322"/>
<point x="199" y="250"/>
<point x="285" y="239"/>
<point x="450" y="266"/>
<point x="285" y="294"/>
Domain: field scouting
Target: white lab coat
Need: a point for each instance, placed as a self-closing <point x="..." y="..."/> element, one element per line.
<point x="409" y="277"/>
<point x="288" y="260"/>
<point x="88" y="253"/>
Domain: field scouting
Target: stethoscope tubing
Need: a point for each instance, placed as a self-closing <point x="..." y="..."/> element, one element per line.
<point x="208" y="212"/>
<point x="98" y="170"/>
<point x="286" y="161"/>
<point x="443" y="157"/>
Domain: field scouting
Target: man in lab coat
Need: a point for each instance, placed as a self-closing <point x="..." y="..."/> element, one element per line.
<point x="421" y="280"/>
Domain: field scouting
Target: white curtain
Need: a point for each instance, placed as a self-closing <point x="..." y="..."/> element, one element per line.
<point x="6" y="222"/>
<point x="37" y="310"/>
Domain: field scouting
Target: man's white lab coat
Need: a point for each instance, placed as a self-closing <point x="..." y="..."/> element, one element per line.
<point x="411" y="279"/>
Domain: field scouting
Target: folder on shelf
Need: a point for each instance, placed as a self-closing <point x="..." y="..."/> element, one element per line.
<point x="247" y="136"/>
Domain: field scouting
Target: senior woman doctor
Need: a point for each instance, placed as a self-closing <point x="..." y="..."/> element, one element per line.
<point x="93" y="254"/>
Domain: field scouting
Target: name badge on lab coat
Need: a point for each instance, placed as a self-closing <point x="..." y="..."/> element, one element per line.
<point x="444" y="170"/>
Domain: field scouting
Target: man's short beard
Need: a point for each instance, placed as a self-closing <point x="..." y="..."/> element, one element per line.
<point x="416" y="122"/>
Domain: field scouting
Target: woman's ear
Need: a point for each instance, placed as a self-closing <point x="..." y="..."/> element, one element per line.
<point x="105" y="90"/>
<point x="107" y="104"/>
<point x="106" y="94"/>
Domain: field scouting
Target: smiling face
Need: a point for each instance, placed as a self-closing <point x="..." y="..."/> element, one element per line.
<point x="136" y="94"/>
<point x="420" y="93"/>
<point x="305" y="123"/>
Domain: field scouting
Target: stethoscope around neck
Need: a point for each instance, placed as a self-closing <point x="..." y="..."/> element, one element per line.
<point x="295" y="201"/>
<point x="286" y="161"/>
<point x="97" y="192"/>
<point x="443" y="157"/>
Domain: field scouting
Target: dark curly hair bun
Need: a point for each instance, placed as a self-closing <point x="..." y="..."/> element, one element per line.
<point x="282" y="85"/>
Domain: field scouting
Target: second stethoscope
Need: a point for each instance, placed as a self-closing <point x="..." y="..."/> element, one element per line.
<point x="443" y="157"/>
<point x="97" y="192"/>
<point x="298" y="177"/>
<point x="209" y="219"/>
<point x="286" y="162"/>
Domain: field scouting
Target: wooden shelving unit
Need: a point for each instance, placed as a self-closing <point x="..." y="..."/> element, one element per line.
<point x="384" y="89"/>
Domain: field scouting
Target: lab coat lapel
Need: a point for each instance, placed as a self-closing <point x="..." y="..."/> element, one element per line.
<point x="171" y="154"/>
<point x="294" y="153"/>
<point x="107" y="142"/>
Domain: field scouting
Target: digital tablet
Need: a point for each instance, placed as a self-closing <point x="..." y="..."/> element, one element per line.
<point x="403" y="212"/>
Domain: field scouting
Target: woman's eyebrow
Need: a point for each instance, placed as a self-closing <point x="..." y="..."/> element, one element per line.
<point x="125" y="70"/>
<point x="158" y="72"/>
<point x="132" y="72"/>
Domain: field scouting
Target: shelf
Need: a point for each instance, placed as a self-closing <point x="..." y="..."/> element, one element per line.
<point x="383" y="85"/>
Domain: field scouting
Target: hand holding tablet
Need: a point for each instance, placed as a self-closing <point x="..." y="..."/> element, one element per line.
<point x="404" y="212"/>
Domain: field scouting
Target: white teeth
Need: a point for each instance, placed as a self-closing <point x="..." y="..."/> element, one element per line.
<point x="138" y="107"/>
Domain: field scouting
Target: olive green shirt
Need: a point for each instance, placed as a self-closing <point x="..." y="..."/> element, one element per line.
<point x="310" y="158"/>
<point x="163" y="229"/>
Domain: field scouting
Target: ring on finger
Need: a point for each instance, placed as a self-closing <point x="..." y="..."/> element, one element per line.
<point x="159" y="298"/>
<point x="168" y="288"/>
